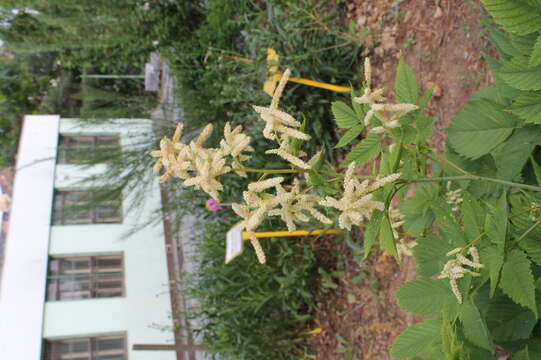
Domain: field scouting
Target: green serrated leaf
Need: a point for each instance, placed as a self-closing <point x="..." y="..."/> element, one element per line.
<point x="527" y="106"/>
<point x="417" y="209"/>
<point x="523" y="43"/>
<point x="371" y="231"/>
<point x="430" y="255"/>
<point x="425" y="98"/>
<point x="424" y="127"/>
<point x="518" y="73"/>
<point x="405" y="85"/>
<point x="350" y="135"/>
<point x="425" y="296"/>
<point x="508" y="321"/>
<point x="480" y="119"/>
<point x="515" y="16"/>
<point x="496" y="222"/>
<point x="416" y="339"/>
<point x="473" y="216"/>
<point x="344" y="115"/>
<point x="501" y="95"/>
<point x="386" y="238"/>
<point x="532" y="246"/>
<point x="511" y="156"/>
<point x="503" y="43"/>
<point x="535" y="57"/>
<point x="492" y="257"/>
<point x="475" y="328"/>
<point x="447" y="224"/>
<point x="517" y="280"/>
<point x="364" y="151"/>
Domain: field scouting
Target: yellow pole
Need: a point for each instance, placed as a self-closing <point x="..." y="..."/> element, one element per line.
<point x="289" y="233"/>
<point x="273" y="69"/>
<point x="322" y="85"/>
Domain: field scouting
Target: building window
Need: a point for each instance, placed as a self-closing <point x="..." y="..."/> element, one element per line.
<point x="85" y="277"/>
<point x="87" y="207"/>
<point x="85" y="149"/>
<point x="94" y="348"/>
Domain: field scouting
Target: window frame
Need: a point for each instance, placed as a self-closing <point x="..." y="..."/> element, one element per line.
<point x="59" y="213"/>
<point x="68" y="146"/>
<point x="51" y="347"/>
<point x="55" y="277"/>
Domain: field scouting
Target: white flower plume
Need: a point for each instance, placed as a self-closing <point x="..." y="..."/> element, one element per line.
<point x="356" y="204"/>
<point x="455" y="269"/>
<point x="277" y="121"/>
<point x="209" y="164"/>
<point x="388" y="114"/>
<point x="234" y="141"/>
<point x="294" y="206"/>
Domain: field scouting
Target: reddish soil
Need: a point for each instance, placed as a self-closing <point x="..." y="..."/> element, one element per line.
<point x="442" y="41"/>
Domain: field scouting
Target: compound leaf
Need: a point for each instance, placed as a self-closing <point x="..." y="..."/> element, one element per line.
<point x="416" y="339"/>
<point x="517" y="280"/>
<point x="480" y="120"/>
<point x="344" y="115"/>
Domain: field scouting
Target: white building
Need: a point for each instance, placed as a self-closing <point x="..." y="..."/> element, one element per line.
<point x="72" y="287"/>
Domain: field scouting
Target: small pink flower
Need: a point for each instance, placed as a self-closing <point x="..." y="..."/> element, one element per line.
<point x="212" y="205"/>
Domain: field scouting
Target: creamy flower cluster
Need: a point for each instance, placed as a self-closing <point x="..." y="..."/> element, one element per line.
<point x="199" y="166"/>
<point x="455" y="268"/>
<point x="387" y="114"/>
<point x="404" y="247"/>
<point x="454" y="197"/>
<point x="288" y="202"/>
<point x="356" y="203"/>
<point x="282" y="127"/>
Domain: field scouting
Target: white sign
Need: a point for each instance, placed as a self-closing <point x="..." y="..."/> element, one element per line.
<point x="234" y="245"/>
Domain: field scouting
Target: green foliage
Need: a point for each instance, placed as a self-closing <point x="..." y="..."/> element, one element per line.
<point x="535" y="57"/>
<point x="475" y="328"/>
<point x="344" y="116"/>
<point x="406" y="87"/>
<point x="364" y="151"/>
<point x="528" y="107"/>
<point x="491" y="124"/>
<point x="221" y="88"/>
<point x="254" y="311"/>
<point x="517" y="280"/>
<point x="425" y="296"/>
<point x="350" y="135"/>
<point x="417" y="339"/>
<point x="499" y="130"/>
<point x="519" y="74"/>
<point x="515" y="15"/>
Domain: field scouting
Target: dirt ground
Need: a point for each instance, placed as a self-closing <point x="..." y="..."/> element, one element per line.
<point x="443" y="42"/>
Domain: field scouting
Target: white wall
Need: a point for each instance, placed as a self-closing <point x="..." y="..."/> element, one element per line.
<point x="147" y="303"/>
<point x="25" y="317"/>
<point x="25" y="269"/>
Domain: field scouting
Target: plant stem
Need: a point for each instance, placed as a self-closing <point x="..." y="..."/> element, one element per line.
<point x="528" y="231"/>
<point x="473" y="242"/>
<point x="270" y="171"/>
<point x="475" y="178"/>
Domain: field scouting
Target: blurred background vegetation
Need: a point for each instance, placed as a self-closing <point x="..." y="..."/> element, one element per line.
<point x="253" y="312"/>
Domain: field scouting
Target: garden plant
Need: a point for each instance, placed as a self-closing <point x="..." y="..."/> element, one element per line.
<point x="469" y="217"/>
